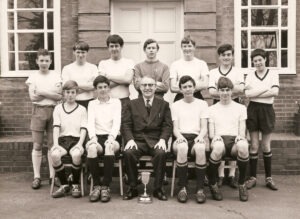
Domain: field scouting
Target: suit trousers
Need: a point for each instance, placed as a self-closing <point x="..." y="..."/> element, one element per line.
<point x="132" y="156"/>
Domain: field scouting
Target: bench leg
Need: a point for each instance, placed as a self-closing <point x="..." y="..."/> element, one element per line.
<point x="52" y="184"/>
<point x="121" y="177"/>
<point x="173" y="178"/>
<point x="81" y="182"/>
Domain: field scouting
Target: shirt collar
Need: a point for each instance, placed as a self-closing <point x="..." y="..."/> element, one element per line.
<point x="101" y="102"/>
<point x="151" y="100"/>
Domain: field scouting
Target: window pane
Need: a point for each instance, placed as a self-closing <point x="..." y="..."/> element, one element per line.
<point x="30" y="3"/>
<point x="263" y="40"/>
<point x="49" y="3"/>
<point x="11" y="57"/>
<point x="10" y="4"/>
<point x="245" y="18"/>
<point x="244" y="38"/>
<point x="244" y="58"/>
<point x="244" y="2"/>
<point x="284" y="17"/>
<point x="264" y="17"/>
<point x="284" y="58"/>
<point x="31" y="41"/>
<point x="284" y="2"/>
<point x="271" y="59"/>
<point x="52" y="64"/>
<point x="50" y="20"/>
<point x="11" y="42"/>
<point x="10" y="21"/>
<point x="30" y="20"/>
<point x="50" y="41"/>
<point x="264" y="2"/>
<point x="284" y="39"/>
<point x="27" y="61"/>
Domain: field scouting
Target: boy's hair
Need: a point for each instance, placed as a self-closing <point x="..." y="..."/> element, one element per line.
<point x="100" y="79"/>
<point x="81" y="45"/>
<point x="258" y="52"/>
<point x="43" y="52"/>
<point x="225" y="47"/>
<point x="116" y="39"/>
<point x="187" y="40"/>
<point x="69" y="85"/>
<point x="185" y="79"/>
<point x="224" y="82"/>
<point x="149" y="41"/>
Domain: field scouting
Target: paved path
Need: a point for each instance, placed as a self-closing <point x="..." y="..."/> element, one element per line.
<point x="18" y="200"/>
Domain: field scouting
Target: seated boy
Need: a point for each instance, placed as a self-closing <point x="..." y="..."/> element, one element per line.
<point x="104" y="121"/>
<point x="189" y="117"/>
<point x="227" y="130"/>
<point x="69" y="132"/>
<point x="44" y="92"/>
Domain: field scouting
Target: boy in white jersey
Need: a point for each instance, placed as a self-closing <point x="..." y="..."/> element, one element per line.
<point x="152" y="68"/>
<point x="69" y="132"/>
<point x="117" y="69"/>
<point x="261" y="88"/>
<point x="189" y="117"/>
<point x="226" y="69"/>
<point x="227" y="130"/>
<point x="44" y="92"/>
<point x="104" y="121"/>
<point x="82" y="72"/>
<point x="188" y="65"/>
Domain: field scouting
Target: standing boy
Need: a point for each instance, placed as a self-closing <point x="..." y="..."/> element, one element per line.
<point x="104" y="121"/>
<point x="117" y="69"/>
<point x="82" y="72"/>
<point x="69" y="132"/>
<point x="226" y="69"/>
<point x="261" y="87"/>
<point x="227" y="130"/>
<point x="189" y="65"/>
<point x="152" y="68"/>
<point x="44" y="92"/>
<point x="189" y="117"/>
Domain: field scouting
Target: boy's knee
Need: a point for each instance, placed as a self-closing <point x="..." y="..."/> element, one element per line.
<point x="199" y="148"/>
<point x="37" y="146"/>
<point x="55" y="156"/>
<point x="218" y="148"/>
<point x="92" y="151"/>
<point x="182" y="149"/>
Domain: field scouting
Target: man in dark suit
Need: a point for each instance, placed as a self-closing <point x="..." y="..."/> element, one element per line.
<point x="146" y="129"/>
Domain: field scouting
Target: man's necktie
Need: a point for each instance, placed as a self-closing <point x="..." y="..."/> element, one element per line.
<point x="148" y="106"/>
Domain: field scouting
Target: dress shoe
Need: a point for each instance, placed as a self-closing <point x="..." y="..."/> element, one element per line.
<point x="200" y="196"/>
<point x="76" y="193"/>
<point x="250" y="183"/>
<point x="130" y="194"/>
<point x="61" y="192"/>
<point x="36" y="183"/>
<point x="160" y="194"/>
<point x="270" y="184"/>
<point x="220" y="181"/>
<point x="215" y="192"/>
<point x="182" y="195"/>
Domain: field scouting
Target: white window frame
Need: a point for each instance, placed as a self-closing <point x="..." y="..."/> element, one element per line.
<point x="291" y="69"/>
<point x="5" y="72"/>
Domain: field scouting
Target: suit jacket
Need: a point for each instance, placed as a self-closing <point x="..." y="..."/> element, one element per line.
<point x="138" y="125"/>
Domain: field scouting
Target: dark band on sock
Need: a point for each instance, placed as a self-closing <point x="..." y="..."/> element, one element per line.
<point x="182" y="164"/>
<point x="267" y="154"/>
<point x="59" y="168"/>
<point x="243" y="159"/>
<point x="76" y="166"/>
<point x="200" y="166"/>
<point x="253" y="155"/>
<point x="214" y="161"/>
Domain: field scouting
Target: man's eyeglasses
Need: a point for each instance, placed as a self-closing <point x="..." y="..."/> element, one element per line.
<point x="149" y="85"/>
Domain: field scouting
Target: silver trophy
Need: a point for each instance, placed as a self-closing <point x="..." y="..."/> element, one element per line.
<point x="145" y="198"/>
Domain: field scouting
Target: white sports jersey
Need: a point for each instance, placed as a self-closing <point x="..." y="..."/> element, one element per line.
<point x="189" y="115"/>
<point x="117" y="68"/>
<point x="82" y="74"/>
<point x="71" y="122"/>
<point x="226" y="118"/>
<point x="195" y="68"/>
<point x="269" y="80"/>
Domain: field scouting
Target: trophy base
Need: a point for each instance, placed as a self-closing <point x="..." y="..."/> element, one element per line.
<point x="145" y="199"/>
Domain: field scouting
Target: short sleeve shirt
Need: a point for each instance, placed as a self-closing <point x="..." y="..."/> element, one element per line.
<point x="71" y="122"/>
<point x="189" y="115"/>
<point x="269" y="80"/>
<point x="49" y="82"/>
<point x="82" y="74"/>
<point x="226" y="118"/>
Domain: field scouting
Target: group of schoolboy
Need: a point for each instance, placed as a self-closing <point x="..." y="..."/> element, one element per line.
<point x="82" y="123"/>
